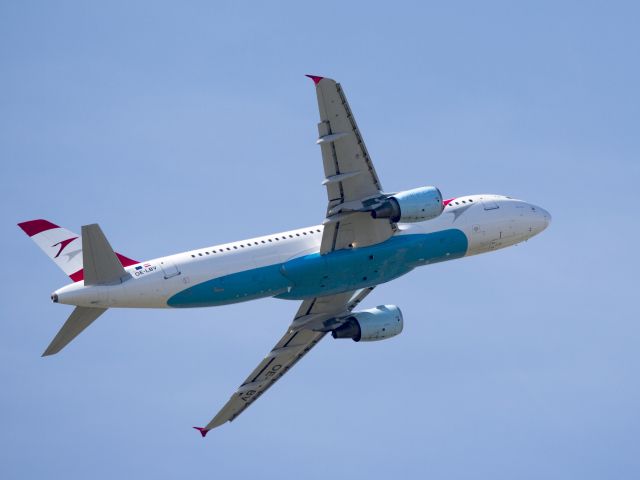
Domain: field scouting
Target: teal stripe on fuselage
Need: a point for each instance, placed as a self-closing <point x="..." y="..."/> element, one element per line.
<point x="316" y="275"/>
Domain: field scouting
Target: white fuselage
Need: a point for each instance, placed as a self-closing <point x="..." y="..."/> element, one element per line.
<point x="256" y="267"/>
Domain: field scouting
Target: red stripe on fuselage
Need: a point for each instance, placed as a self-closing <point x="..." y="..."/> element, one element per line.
<point x="447" y="202"/>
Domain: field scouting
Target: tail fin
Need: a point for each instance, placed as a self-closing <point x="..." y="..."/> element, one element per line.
<point x="101" y="265"/>
<point x="62" y="246"/>
<point x="79" y="319"/>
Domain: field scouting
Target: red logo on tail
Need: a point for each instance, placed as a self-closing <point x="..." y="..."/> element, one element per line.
<point x="63" y="244"/>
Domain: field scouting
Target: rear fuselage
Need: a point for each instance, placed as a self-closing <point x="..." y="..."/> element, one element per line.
<point x="288" y="265"/>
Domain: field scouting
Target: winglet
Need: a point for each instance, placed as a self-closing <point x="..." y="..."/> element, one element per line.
<point x="315" y="78"/>
<point x="203" y="431"/>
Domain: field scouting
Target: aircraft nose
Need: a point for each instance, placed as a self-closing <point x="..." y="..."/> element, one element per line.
<point x="546" y="216"/>
<point x="541" y="218"/>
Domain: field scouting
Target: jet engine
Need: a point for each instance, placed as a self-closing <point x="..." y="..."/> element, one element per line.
<point x="379" y="323"/>
<point x="415" y="205"/>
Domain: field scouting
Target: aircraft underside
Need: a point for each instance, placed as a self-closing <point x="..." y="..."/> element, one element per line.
<point x="317" y="275"/>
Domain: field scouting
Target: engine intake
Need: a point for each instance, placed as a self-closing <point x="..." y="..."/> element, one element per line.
<point x="415" y="205"/>
<point x="379" y="323"/>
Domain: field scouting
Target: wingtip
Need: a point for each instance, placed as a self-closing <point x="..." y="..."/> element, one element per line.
<point x="203" y="431"/>
<point x="51" y="350"/>
<point x="316" y="79"/>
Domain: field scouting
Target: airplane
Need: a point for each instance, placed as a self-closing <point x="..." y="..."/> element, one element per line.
<point x="368" y="237"/>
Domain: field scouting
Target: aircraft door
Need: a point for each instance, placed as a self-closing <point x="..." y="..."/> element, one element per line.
<point x="169" y="268"/>
<point x="490" y="205"/>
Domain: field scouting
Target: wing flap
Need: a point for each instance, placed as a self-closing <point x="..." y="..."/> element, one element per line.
<point x="356" y="229"/>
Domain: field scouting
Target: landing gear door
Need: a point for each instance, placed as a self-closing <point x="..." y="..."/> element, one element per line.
<point x="169" y="269"/>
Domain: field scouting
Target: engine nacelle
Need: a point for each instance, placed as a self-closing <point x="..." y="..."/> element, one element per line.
<point x="415" y="205"/>
<point x="380" y="323"/>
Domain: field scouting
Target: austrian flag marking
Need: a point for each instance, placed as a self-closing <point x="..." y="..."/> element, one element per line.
<point x="142" y="269"/>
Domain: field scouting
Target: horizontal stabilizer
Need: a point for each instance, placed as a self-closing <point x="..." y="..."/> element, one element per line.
<point x="101" y="264"/>
<point x="79" y="319"/>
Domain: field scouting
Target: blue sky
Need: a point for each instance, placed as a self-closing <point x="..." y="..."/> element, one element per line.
<point x="178" y="125"/>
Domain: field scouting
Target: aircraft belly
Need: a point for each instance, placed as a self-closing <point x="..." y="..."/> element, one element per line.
<point x="344" y="270"/>
<point x="233" y="288"/>
<point x="315" y="275"/>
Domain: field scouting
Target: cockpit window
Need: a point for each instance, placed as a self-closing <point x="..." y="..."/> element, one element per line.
<point x="490" y="205"/>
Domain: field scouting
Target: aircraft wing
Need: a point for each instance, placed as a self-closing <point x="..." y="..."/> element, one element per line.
<point x="314" y="318"/>
<point x="350" y="177"/>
